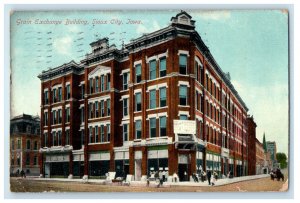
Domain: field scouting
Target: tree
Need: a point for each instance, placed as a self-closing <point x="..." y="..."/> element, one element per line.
<point x="265" y="143"/>
<point x="282" y="159"/>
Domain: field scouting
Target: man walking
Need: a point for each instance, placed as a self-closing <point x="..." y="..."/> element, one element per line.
<point x="208" y="176"/>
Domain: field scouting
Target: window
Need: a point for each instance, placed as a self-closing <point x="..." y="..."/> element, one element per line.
<point x="138" y="102"/>
<point x="59" y="94"/>
<point x="59" y="115"/>
<point x="162" y="67"/>
<point x="59" y="138"/>
<point x="138" y="73"/>
<point x="82" y="137"/>
<point x="108" y="107"/>
<point x="45" y="118"/>
<point x="35" y="145"/>
<point x="108" y="132"/>
<point x="12" y="145"/>
<point x="97" y="84"/>
<point x="35" y="160"/>
<point x="82" y="115"/>
<point x="27" y="159"/>
<point x="183" y="117"/>
<point x="152" y="69"/>
<point x="90" y="110"/>
<point x="46" y="100"/>
<point x="54" y="117"/>
<point x="125" y="81"/>
<point x="125" y="107"/>
<point x="91" y="85"/>
<point x="138" y="129"/>
<point x="96" y="134"/>
<point x="102" y="83"/>
<point x="196" y="71"/>
<point x="102" y="108"/>
<point x="108" y="82"/>
<point x="68" y="92"/>
<point x="19" y="144"/>
<point x="152" y="127"/>
<point x="91" y="134"/>
<point x="67" y="115"/>
<point x="54" y="95"/>
<point x="183" y="95"/>
<point x="162" y="126"/>
<point x="182" y="64"/>
<point x="82" y="91"/>
<point x="125" y="132"/>
<point x="196" y="101"/>
<point x="162" y="97"/>
<point x="54" y="138"/>
<point x="96" y="109"/>
<point x="152" y="99"/>
<point x="102" y="134"/>
<point x="67" y="141"/>
<point x="45" y="139"/>
<point x="28" y="144"/>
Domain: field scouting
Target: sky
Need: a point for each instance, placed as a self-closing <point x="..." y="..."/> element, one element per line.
<point x="251" y="45"/>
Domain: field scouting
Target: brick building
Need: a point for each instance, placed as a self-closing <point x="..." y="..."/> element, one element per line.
<point x="262" y="164"/>
<point x="25" y="144"/>
<point x="159" y="103"/>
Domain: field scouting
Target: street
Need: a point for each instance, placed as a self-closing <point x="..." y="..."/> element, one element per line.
<point x="26" y="185"/>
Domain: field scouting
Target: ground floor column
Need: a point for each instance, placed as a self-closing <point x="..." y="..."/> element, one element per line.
<point x="86" y="164"/>
<point x="71" y="165"/>
<point x="41" y="164"/>
<point x="172" y="160"/>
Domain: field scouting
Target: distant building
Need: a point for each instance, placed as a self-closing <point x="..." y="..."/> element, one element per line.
<point x="262" y="163"/>
<point x="24" y="144"/>
<point x="272" y="149"/>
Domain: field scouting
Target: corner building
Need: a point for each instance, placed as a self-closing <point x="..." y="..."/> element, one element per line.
<point x="159" y="103"/>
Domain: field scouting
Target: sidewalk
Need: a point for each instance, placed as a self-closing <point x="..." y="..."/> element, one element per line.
<point x="219" y="182"/>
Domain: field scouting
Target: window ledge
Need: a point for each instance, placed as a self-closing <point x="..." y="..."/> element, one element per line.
<point x="184" y="106"/>
<point x="158" y="108"/>
<point x="96" y="143"/>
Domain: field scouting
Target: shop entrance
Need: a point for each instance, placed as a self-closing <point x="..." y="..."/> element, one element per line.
<point x="183" y="173"/>
<point x="183" y="167"/>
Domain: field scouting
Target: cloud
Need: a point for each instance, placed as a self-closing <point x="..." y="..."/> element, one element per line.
<point x="142" y="29"/>
<point x="213" y="15"/>
<point x="63" y="45"/>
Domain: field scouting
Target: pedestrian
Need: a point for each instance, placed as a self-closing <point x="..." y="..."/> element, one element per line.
<point x="216" y="175"/>
<point x="185" y="176"/>
<point x="203" y="175"/>
<point x="175" y="177"/>
<point x="156" y="176"/>
<point x="208" y="176"/>
<point x="213" y="180"/>
<point x="23" y="174"/>
<point x="164" y="176"/>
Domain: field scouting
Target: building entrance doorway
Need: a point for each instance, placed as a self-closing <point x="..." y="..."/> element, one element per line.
<point x="183" y="167"/>
<point x="138" y="169"/>
<point x="183" y="173"/>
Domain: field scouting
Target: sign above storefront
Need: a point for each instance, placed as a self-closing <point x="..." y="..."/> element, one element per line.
<point x="184" y="127"/>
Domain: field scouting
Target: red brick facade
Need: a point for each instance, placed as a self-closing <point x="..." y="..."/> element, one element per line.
<point x="195" y="88"/>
